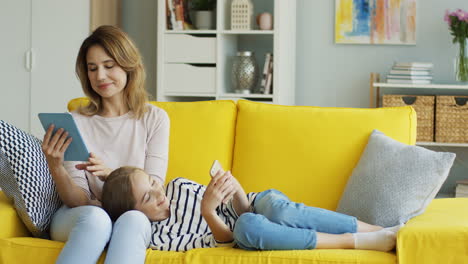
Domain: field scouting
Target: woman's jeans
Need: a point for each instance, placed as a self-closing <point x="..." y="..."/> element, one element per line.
<point x="87" y="229"/>
<point x="279" y="224"/>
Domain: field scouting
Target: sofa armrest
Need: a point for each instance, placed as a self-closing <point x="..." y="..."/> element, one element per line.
<point x="440" y="235"/>
<point x="10" y="223"/>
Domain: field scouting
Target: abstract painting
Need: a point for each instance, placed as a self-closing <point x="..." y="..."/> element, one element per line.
<point x="375" y="21"/>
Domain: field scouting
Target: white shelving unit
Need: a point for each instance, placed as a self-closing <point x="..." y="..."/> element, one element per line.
<point x="195" y="65"/>
<point x="376" y="88"/>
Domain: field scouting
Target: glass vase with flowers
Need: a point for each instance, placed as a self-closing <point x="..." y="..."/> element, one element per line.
<point x="458" y="25"/>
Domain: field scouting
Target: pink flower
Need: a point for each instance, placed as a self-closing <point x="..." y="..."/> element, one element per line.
<point x="447" y="16"/>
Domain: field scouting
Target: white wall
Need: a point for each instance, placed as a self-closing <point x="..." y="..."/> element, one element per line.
<point x="139" y="21"/>
<point x="330" y="74"/>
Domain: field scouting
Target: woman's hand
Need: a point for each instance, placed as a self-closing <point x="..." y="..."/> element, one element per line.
<point x="217" y="191"/>
<point x="96" y="167"/>
<point x="54" y="146"/>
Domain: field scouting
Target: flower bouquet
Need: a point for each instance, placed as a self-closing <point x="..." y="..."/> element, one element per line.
<point x="458" y="25"/>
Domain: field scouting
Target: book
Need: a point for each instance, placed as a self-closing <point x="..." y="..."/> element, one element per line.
<point x="170" y="6"/>
<point x="409" y="81"/>
<point x="411" y="68"/>
<point x="403" y="72"/>
<point x="409" y="77"/>
<point x="179" y="14"/>
<point x="414" y="64"/>
<point x="269" y="77"/>
<point x="266" y="67"/>
<point x="461" y="190"/>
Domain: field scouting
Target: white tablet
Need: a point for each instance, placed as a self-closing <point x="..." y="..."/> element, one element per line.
<point x="77" y="150"/>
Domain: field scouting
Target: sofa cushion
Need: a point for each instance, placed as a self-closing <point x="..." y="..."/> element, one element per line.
<point x="342" y="256"/>
<point x="200" y="133"/>
<point x="25" y="178"/>
<point x="440" y="235"/>
<point x="309" y="152"/>
<point x="10" y="224"/>
<point x="394" y="182"/>
<point x="34" y="250"/>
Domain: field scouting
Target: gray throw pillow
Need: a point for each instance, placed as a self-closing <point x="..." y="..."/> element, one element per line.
<point x="393" y="182"/>
<point x="25" y="178"/>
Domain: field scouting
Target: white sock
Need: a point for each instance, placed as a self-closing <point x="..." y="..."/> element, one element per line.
<point x="394" y="229"/>
<point x="382" y="240"/>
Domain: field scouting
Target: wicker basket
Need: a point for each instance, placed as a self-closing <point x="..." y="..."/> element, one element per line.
<point x="452" y="119"/>
<point x="424" y="107"/>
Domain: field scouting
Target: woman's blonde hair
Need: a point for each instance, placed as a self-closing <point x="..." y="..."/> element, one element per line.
<point x="117" y="193"/>
<point x="120" y="47"/>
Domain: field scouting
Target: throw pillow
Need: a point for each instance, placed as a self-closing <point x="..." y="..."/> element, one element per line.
<point x="25" y="178"/>
<point x="393" y="182"/>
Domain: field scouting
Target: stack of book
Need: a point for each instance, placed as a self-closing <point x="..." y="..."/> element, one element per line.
<point x="177" y="15"/>
<point x="462" y="188"/>
<point x="267" y="75"/>
<point x="411" y="73"/>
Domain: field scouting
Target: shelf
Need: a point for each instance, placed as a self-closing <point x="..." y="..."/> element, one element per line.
<point x="239" y="95"/>
<point x="190" y="95"/>
<point x="441" y="144"/>
<point x="247" y="32"/>
<point x="422" y="86"/>
<point x="444" y="195"/>
<point x="201" y="32"/>
<point x="226" y="32"/>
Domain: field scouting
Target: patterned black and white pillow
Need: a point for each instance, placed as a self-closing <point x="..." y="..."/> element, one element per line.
<point x="25" y="177"/>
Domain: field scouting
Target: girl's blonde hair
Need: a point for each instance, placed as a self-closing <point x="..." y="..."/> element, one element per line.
<point x="117" y="193"/>
<point x="120" y="47"/>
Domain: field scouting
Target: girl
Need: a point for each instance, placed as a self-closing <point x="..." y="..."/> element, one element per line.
<point x="120" y="128"/>
<point x="188" y="215"/>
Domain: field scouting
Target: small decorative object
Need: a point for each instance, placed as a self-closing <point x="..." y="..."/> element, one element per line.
<point x="203" y="13"/>
<point x="375" y="22"/>
<point x="244" y="74"/>
<point x="241" y="14"/>
<point x="265" y="21"/>
<point x="458" y="24"/>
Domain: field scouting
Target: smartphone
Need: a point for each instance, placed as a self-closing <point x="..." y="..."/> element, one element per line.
<point x="215" y="168"/>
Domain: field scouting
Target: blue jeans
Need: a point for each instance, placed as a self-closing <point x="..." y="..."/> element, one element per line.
<point x="87" y="230"/>
<point x="280" y="224"/>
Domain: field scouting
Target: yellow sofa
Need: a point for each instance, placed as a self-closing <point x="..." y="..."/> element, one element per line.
<point x="307" y="152"/>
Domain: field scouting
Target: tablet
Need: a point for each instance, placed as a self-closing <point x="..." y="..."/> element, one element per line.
<point x="77" y="150"/>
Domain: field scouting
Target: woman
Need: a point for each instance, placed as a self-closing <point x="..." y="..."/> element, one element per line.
<point x="188" y="215"/>
<point x="119" y="128"/>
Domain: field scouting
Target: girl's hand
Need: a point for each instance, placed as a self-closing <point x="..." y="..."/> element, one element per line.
<point x="217" y="190"/>
<point x="54" y="146"/>
<point x="96" y="167"/>
<point x="236" y="187"/>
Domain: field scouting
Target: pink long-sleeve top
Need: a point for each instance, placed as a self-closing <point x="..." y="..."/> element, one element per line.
<point x="123" y="141"/>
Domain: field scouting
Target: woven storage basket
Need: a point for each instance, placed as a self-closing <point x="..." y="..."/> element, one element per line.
<point x="452" y="119"/>
<point x="424" y="107"/>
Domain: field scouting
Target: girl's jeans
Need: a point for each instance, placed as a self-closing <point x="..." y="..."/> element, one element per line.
<point x="87" y="229"/>
<point x="280" y="224"/>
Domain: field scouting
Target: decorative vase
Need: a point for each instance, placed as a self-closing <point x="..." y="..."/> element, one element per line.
<point x="244" y="74"/>
<point x="265" y="21"/>
<point x="241" y="14"/>
<point x="204" y="19"/>
<point x="461" y="62"/>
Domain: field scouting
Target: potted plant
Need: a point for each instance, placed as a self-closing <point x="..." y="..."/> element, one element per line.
<point x="203" y="13"/>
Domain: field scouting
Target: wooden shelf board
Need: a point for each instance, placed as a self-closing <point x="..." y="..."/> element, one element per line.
<point x="423" y="86"/>
<point x="238" y="95"/>
<point x="248" y="32"/>
<point x="441" y="144"/>
<point x="190" y="95"/>
<point x="170" y="31"/>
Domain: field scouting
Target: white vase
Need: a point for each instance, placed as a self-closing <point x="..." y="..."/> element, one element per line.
<point x="204" y="19"/>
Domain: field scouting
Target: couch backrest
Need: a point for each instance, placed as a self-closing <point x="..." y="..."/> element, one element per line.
<point x="200" y="133"/>
<point x="309" y="152"/>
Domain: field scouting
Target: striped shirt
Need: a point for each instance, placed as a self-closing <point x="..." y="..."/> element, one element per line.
<point x="185" y="228"/>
